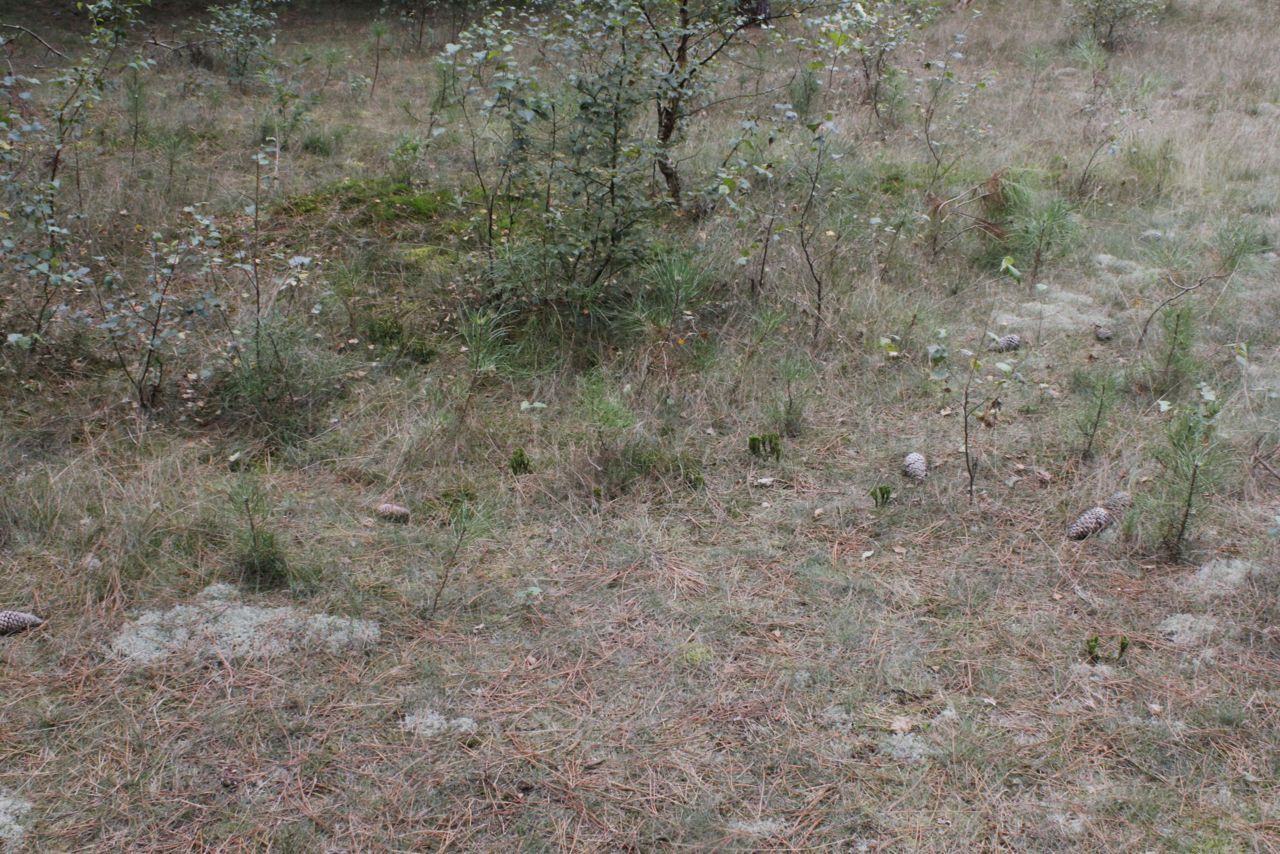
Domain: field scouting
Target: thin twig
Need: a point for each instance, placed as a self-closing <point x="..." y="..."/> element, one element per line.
<point x="1183" y="290"/>
<point x="35" y="36"/>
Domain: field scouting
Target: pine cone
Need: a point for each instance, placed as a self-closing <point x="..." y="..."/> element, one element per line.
<point x="915" y="467"/>
<point x="16" y="621"/>
<point x="1089" y="523"/>
<point x="393" y="513"/>
<point x="1006" y="344"/>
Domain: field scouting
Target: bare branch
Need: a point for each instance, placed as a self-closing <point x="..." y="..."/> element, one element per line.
<point x="35" y="36"/>
<point x="1183" y="290"/>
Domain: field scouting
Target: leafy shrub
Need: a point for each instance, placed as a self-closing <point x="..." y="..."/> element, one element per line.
<point x="873" y="32"/>
<point x="243" y="33"/>
<point x="38" y="241"/>
<point x="406" y="157"/>
<point x="147" y="326"/>
<point x="1112" y="21"/>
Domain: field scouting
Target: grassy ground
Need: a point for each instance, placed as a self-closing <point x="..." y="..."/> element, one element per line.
<point x="652" y="640"/>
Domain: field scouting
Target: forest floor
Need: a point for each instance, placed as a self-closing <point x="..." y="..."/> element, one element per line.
<point x="652" y="639"/>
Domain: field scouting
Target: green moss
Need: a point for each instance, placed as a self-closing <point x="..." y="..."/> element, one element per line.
<point x="622" y="468"/>
<point x="520" y="462"/>
<point x="432" y="260"/>
<point x="382" y="199"/>
<point x="411" y="205"/>
<point x="420" y="350"/>
<point x="384" y="330"/>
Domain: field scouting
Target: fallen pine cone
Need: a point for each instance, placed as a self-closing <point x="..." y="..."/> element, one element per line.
<point x="393" y="512"/>
<point x="1089" y="523"/>
<point x="17" y="621"/>
<point x="1005" y="344"/>
<point x="915" y="467"/>
<point x="1095" y="519"/>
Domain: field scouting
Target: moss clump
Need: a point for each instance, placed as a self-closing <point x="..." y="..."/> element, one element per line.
<point x="520" y="463"/>
<point x="622" y="468"/>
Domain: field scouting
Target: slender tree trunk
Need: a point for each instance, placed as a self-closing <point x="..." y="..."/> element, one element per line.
<point x="755" y="11"/>
<point x="670" y="108"/>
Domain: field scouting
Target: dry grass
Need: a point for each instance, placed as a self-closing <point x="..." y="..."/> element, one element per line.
<point x="765" y="663"/>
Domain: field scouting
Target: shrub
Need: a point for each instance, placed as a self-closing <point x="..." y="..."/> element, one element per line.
<point x="259" y="557"/>
<point x="618" y="469"/>
<point x="1191" y="460"/>
<point x="244" y="34"/>
<point x="1174" y="365"/>
<point x="1102" y="390"/>
<point x="280" y="383"/>
<point x="146" y="322"/>
<point x="1110" y="22"/>
<point x="1039" y="229"/>
<point x="874" y="32"/>
<point x="555" y="113"/>
<point x="38" y="243"/>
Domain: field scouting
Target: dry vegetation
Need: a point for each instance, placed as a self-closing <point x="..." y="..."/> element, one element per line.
<point x="605" y="625"/>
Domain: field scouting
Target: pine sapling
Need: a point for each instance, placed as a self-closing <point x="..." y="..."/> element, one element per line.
<point x="1191" y="459"/>
<point x="1101" y="396"/>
